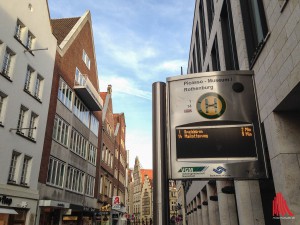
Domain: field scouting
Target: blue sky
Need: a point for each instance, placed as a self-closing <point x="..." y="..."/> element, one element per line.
<point x="137" y="43"/>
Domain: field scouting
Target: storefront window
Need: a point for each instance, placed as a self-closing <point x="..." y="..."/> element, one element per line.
<point x="18" y="219"/>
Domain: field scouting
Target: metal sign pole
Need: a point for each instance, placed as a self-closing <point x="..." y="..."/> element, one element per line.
<point x="160" y="175"/>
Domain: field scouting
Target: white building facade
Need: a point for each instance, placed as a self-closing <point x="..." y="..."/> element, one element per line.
<point x="27" y="53"/>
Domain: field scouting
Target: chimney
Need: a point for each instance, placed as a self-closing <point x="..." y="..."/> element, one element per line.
<point x="109" y="89"/>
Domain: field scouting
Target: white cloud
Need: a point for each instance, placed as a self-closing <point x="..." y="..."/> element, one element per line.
<point x="139" y="144"/>
<point x="172" y="65"/>
<point x="124" y="85"/>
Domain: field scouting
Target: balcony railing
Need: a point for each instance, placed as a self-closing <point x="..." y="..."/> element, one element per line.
<point x="87" y="93"/>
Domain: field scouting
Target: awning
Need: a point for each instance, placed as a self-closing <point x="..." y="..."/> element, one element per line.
<point x="7" y="211"/>
<point x="52" y="203"/>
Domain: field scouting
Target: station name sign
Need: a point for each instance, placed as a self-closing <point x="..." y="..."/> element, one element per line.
<point x="213" y="126"/>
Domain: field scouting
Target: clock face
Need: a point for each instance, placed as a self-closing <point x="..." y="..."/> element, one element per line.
<point x="211" y="105"/>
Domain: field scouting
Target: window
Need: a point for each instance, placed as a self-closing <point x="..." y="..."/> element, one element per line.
<point x="90" y="183"/>
<point x="19" y="30"/>
<point x="210" y="12"/>
<point x="117" y="153"/>
<point x="75" y="180"/>
<point x="32" y="126"/>
<point x="122" y="143"/>
<point x="198" y="49"/>
<point x="101" y="185"/>
<point x="86" y="59"/>
<point x="79" y="78"/>
<point x="203" y="28"/>
<point x="215" y="56"/>
<point x="108" y="160"/>
<point x="229" y="43"/>
<point x="60" y="131"/>
<point x="78" y="144"/>
<point x="110" y="190"/>
<point x="30" y="38"/>
<point x="116" y="173"/>
<point x="194" y="61"/>
<point x="92" y="154"/>
<point x="115" y="191"/>
<point x="28" y="78"/>
<point x="25" y="170"/>
<point x="38" y="86"/>
<point x="94" y="125"/>
<point x="255" y="27"/>
<point x="81" y="111"/>
<point x="6" y="67"/>
<point x="13" y="167"/>
<point x="106" y="156"/>
<point x="2" y="106"/>
<point x="103" y="153"/>
<point x="56" y="172"/>
<point x="65" y="94"/>
<point x="111" y="162"/>
<point x="22" y="118"/>
<point x="108" y="129"/>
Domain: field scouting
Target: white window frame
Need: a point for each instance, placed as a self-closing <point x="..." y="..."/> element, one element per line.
<point x="103" y="152"/>
<point x="92" y="154"/>
<point x="3" y="99"/>
<point x="30" y="40"/>
<point x="101" y="185"/>
<point x="22" y="119"/>
<point x="7" y="62"/>
<point x="86" y="59"/>
<point x="28" y="78"/>
<point x="56" y="172"/>
<point x="111" y="162"/>
<point x="13" y="168"/>
<point x="26" y="168"/>
<point x="94" y="127"/>
<point x="75" y="180"/>
<point x="81" y="111"/>
<point x="65" y="94"/>
<point x="38" y="86"/>
<point x="33" y="125"/>
<point x="61" y="131"/>
<point x="78" y="144"/>
<point x="19" y="30"/>
<point x="90" y="185"/>
<point x="79" y="78"/>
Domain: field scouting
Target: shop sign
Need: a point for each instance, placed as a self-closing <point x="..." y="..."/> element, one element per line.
<point x="5" y="200"/>
<point x="70" y="218"/>
<point x="89" y="209"/>
<point x="116" y="202"/>
<point x="103" y="213"/>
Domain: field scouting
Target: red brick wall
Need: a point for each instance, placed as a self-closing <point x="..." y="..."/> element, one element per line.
<point x="65" y="67"/>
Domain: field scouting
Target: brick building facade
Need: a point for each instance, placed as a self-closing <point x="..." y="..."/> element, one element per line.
<point x="68" y="173"/>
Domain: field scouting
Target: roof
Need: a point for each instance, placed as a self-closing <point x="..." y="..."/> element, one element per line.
<point x="130" y="172"/>
<point x="62" y="27"/>
<point x="103" y="95"/>
<point x="146" y="172"/>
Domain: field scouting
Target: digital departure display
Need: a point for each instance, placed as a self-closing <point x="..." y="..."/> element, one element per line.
<point x="215" y="142"/>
